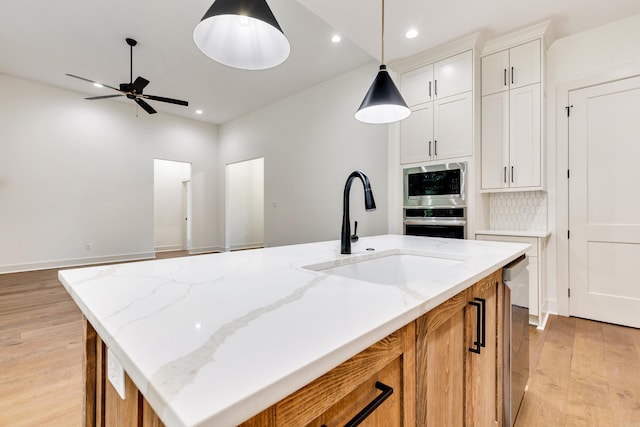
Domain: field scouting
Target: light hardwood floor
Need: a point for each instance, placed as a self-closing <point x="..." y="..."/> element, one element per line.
<point x="584" y="373"/>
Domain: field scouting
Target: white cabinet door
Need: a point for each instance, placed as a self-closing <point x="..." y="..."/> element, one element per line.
<point x="417" y="85"/>
<point x="524" y="137"/>
<point x="453" y="126"/>
<point x="416" y="135"/>
<point x="524" y="64"/>
<point x="453" y="75"/>
<point x="495" y="141"/>
<point x="495" y="74"/>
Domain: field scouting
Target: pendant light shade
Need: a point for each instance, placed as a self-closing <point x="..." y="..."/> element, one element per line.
<point x="242" y="34"/>
<point x="383" y="102"/>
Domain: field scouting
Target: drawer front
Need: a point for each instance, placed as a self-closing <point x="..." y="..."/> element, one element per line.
<point x="321" y="395"/>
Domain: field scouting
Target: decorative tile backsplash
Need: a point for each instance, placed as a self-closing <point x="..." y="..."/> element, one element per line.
<point x="520" y="211"/>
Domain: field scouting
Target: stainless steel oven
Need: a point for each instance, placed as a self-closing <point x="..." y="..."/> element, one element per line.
<point x="435" y="200"/>
<point x="435" y="185"/>
<point x="436" y="222"/>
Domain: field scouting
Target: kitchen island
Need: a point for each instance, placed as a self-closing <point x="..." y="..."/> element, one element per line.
<point x="212" y="340"/>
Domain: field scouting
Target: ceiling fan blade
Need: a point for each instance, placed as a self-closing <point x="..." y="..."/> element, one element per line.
<point x="163" y="99"/>
<point x="139" y="84"/>
<point x="93" y="98"/>
<point x="91" y="81"/>
<point x="146" y="107"/>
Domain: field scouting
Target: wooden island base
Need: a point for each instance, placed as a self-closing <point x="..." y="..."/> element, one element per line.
<point x="434" y="377"/>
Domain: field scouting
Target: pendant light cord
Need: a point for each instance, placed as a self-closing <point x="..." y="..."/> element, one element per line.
<point x="382" y="31"/>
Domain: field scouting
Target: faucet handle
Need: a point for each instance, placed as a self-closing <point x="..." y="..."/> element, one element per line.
<point x="354" y="236"/>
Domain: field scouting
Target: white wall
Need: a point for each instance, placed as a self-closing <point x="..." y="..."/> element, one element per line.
<point x="311" y="142"/>
<point x="169" y="204"/>
<point x="74" y="172"/>
<point x="601" y="54"/>
<point x="245" y="210"/>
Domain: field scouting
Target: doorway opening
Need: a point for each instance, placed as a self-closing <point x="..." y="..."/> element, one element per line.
<point x="244" y="224"/>
<point x="171" y="205"/>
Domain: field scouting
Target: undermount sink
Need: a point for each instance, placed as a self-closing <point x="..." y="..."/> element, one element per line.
<point x="390" y="269"/>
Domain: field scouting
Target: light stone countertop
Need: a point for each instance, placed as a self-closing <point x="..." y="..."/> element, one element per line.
<point x="514" y="233"/>
<point x="211" y="340"/>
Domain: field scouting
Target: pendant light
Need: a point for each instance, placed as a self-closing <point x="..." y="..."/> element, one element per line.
<point x="383" y="102"/>
<point x="242" y="34"/>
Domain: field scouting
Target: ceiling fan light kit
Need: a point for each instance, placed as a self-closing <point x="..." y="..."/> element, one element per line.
<point x="383" y="103"/>
<point x="242" y="34"/>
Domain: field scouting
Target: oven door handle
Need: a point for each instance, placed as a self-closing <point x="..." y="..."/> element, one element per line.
<point x="433" y="221"/>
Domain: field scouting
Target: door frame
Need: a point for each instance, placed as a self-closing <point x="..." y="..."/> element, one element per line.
<point x="562" y="165"/>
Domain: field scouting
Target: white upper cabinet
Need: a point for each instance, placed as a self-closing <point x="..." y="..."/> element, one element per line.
<point x="524" y="137"/>
<point x="511" y="68"/>
<point x="417" y="85"/>
<point x="453" y="75"/>
<point x="511" y="144"/>
<point x="441" y="123"/>
<point x="417" y="135"/>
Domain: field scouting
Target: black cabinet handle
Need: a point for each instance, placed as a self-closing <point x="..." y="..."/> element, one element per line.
<point x="505" y="76"/>
<point x="429" y="88"/>
<point x="429" y="148"/>
<point x="435" y="87"/>
<point x="512" y="82"/>
<point x="435" y="147"/>
<point x="372" y="406"/>
<point x="476" y="343"/>
<point x="505" y="174"/>
<point x="483" y="335"/>
<point x="512" y="174"/>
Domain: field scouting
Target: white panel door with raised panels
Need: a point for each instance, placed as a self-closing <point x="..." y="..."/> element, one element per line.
<point x="604" y="202"/>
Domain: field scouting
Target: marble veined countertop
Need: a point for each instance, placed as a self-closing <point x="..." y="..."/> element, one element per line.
<point x="211" y="340"/>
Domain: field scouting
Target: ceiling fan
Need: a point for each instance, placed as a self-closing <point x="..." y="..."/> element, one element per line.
<point x="133" y="89"/>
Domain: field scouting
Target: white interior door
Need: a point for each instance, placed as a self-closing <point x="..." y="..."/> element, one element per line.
<point x="604" y="206"/>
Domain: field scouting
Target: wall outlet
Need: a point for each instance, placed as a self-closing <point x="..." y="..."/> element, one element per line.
<point x="115" y="373"/>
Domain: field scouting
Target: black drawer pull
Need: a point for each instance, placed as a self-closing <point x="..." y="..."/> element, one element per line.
<point x="372" y="406"/>
<point x="483" y="335"/>
<point x="476" y="343"/>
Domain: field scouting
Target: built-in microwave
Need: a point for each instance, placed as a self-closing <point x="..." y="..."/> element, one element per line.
<point x="441" y="185"/>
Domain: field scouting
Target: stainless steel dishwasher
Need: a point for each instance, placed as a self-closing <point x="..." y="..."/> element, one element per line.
<point x="516" y="337"/>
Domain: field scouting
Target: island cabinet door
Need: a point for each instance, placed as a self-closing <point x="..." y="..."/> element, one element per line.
<point x="375" y="387"/>
<point x="440" y="364"/>
<point x="483" y="367"/>
<point x="458" y="365"/>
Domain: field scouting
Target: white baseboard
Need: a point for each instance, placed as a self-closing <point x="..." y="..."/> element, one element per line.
<point x="247" y="246"/>
<point x="46" y="265"/>
<point x="206" y="250"/>
<point x="168" y="248"/>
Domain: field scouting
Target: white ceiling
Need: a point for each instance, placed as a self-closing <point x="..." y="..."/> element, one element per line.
<point x="43" y="40"/>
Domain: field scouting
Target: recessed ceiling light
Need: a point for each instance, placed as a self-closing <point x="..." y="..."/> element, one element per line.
<point x="198" y="111"/>
<point x="411" y="34"/>
<point x="336" y="38"/>
<point x="97" y="85"/>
